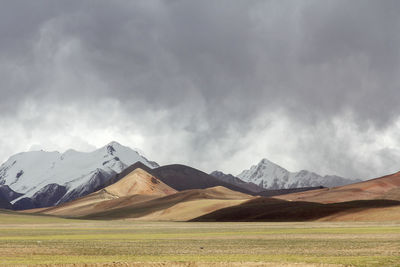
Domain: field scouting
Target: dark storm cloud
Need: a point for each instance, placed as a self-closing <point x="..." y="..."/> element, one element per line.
<point x="212" y="68"/>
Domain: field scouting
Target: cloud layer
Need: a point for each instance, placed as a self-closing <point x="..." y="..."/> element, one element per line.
<point x="213" y="84"/>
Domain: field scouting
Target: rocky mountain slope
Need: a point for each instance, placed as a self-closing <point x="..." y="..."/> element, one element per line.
<point x="229" y="178"/>
<point x="47" y="178"/>
<point x="269" y="175"/>
<point x="182" y="177"/>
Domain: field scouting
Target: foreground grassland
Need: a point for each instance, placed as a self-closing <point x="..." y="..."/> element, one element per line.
<point x="30" y="240"/>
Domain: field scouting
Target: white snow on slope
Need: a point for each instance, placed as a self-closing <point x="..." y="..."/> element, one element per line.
<point x="272" y="176"/>
<point x="28" y="172"/>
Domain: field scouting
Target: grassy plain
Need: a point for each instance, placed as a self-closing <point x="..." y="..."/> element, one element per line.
<point x="31" y="240"/>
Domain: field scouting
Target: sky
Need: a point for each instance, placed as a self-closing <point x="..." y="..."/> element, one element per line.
<point x="307" y="84"/>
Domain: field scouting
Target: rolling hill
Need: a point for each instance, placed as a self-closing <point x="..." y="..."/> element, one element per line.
<point x="270" y="209"/>
<point x="135" y="187"/>
<point x="373" y="200"/>
<point x="182" y="206"/>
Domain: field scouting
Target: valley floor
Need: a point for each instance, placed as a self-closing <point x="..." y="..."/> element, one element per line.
<point x="42" y="240"/>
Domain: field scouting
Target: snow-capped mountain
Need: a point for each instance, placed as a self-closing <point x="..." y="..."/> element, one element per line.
<point x="272" y="176"/>
<point x="64" y="176"/>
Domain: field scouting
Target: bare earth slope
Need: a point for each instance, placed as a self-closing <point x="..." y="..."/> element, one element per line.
<point x="386" y="187"/>
<point x="135" y="187"/>
<point x="181" y="206"/>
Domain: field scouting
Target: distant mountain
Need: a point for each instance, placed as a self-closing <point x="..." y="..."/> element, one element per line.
<point x="229" y="178"/>
<point x="47" y="178"/>
<point x="269" y="175"/>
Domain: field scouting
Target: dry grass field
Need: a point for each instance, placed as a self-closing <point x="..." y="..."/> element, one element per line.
<point x="42" y="240"/>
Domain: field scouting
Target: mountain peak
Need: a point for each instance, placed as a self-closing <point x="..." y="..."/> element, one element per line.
<point x="113" y="144"/>
<point x="267" y="162"/>
<point x="112" y="147"/>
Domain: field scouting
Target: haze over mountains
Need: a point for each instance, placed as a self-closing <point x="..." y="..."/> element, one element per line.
<point x="41" y="179"/>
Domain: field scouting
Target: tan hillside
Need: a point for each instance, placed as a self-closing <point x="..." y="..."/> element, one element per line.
<point x="139" y="182"/>
<point x="181" y="206"/>
<point x="137" y="186"/>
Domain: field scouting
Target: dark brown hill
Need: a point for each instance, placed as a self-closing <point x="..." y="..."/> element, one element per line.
<point x="270" y="209"/>
<point x="181" y="177"/>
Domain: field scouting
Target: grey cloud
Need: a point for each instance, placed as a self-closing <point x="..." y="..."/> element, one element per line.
<point x="211" y="68"/>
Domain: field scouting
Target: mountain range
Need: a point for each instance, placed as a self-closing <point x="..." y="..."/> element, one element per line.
<point x="39" y="179"/>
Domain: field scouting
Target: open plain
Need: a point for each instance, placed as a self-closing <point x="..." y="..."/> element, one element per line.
<point x="44" y="240"/>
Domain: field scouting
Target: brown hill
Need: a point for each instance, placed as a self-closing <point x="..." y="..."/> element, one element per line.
<point x="124" y="173"/>
<point x="270" y="209"/>
<point x="179" y="177"/>
<point x="139" y="182"/>
<point x="135" y="187"/>
<point x="183" y="177"/>
<point x="181" y="206"/>
<point x="386" y="187"/>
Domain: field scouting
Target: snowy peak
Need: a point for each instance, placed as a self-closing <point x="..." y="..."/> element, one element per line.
<point x="265" y="174"/>
<point x="29" y="172"/>
<point x="112" y="147"/>
<point x="272" y="176"/>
